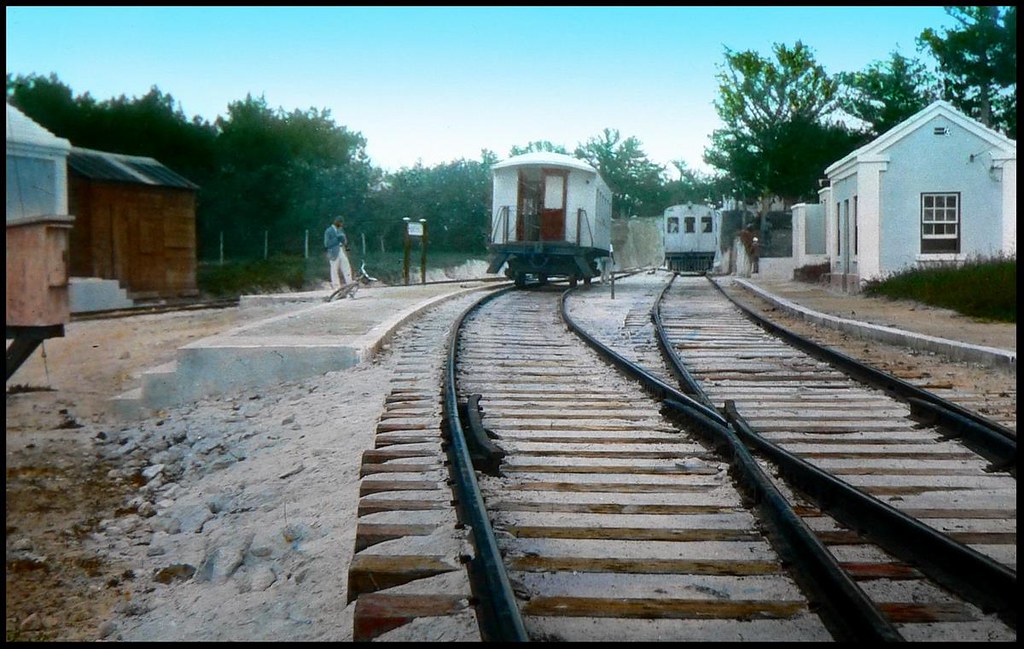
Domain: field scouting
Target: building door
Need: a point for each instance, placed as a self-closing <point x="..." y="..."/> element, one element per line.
<point x="552" y="213"/>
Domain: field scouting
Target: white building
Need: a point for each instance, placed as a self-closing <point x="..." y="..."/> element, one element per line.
<point x="938" y="188"/>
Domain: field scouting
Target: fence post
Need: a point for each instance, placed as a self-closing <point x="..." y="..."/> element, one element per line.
<point x="306" y="254"/>
<point x="423" y="253"/>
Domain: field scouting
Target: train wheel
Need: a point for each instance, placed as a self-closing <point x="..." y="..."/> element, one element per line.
<point x="586" y="282"/>
<point x="543" y="279"/>
<point x="573" y="281"/>
<point x="520" y="280"/>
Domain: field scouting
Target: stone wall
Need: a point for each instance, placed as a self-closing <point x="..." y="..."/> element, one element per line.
<point x="638" y="242"/>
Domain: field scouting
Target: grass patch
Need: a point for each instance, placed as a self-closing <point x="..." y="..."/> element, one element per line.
<point x="981" y="288"/>
<point x="283" y="273"/>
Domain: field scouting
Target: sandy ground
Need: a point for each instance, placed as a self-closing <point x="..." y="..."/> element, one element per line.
<point x="229" y="519"/>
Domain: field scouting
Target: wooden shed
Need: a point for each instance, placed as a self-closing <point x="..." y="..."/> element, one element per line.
<point x="135" y="221"/>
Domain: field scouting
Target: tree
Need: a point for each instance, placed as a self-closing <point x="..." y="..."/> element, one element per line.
<point x="886" y="93"/>
<point x="693" y="187"/>
<point x="283" y="173"/>
<point x="978" y="63"/>
<point x="637" y="184"/>
<point x="454" y="199"/>
<point x="776" y="140"/>
<point x="538" y="145"/>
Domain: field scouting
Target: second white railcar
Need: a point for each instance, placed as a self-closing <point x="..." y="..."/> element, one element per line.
<point x="691" y="237"/>
<point x="551" y="218"/>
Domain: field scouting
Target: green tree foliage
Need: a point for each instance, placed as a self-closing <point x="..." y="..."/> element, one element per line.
<point x="637" y="184"/>
<point x="153" y="125"/>
<point x="695" y="187"/>
<point x="536" y="146"/>
<point x="776" y="140"/>
<point x="887" y="93"/>
<point x="453" y="198"/>
<point x="282" y="174"/>
<point x="978" y="63"/>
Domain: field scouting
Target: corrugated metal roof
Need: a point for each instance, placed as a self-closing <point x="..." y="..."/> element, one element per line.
<point x="101" y="165"/>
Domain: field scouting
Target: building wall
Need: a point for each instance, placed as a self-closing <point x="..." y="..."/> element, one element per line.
<point x="638" y="242"/>
<point x="142" y="236"/>
<point x="925" y="162"/>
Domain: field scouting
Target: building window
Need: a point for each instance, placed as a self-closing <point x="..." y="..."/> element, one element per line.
<point x="854" y="226"/>
<point x="705" y="224"/>
<point x="672" y="225"/>
<point x="940" y="223"/>
<point x="839" y="232"/>
<point x="689" y="223"/>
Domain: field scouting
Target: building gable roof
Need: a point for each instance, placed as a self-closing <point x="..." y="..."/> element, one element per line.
<point x="116" y="167"/>
<point x="24" y="133"/>
<point x="939" y="108"/>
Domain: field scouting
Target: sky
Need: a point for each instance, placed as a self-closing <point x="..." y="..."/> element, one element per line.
<point x="431" y="85"/>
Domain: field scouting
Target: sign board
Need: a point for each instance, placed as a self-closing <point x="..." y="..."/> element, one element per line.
<point x="415" y="229"/>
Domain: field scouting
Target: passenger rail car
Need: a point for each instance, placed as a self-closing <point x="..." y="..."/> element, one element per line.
<point x="691" y="237"/>
<point x="551" y="217"/>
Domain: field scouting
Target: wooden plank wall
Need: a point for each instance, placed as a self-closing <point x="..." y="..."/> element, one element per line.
<point x="141" y="235"/>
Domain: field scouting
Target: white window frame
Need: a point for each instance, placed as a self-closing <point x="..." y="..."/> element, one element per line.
<point x="940" y="222"/>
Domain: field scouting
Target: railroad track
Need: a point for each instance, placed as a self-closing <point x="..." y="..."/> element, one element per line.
<point x="948" y="379"/>
<point x="601" y="510"/>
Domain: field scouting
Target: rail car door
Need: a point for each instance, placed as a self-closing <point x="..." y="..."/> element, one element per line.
<point x="528" y="208"/>
<point x="552" y="212"/>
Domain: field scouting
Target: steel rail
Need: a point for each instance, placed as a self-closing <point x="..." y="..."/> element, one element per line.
<point x="974" y="576"/>
<point x="500" y="620"/>
<point x="988" y="438"/>
<point x="846" y="609"/>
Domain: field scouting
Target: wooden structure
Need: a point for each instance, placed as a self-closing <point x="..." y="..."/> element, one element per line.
<point x="36" y="237"/>
<point x="135" y="221"/>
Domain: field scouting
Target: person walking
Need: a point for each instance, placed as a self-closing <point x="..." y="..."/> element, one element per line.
<point x="336" y="245"/>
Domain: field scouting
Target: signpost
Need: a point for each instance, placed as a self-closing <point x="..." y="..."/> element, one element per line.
<point x="415" y="230"/>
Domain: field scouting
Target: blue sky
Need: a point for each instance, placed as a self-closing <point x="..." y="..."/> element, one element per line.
<point x="435" y="84"/>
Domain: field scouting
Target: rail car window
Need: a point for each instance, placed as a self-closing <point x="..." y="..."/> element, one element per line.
<point x="554" y="192"/>
<point x="672" y="225"/>
<point x="940" y="223"/>
<point x="689" y="223"/>
<point x="705" y="224"/>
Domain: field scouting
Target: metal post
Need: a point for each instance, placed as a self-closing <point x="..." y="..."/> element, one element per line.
<point x="222" y="247"/>
<point x="405" y="255"/>
<point x="423" y="253"/>
<point x="266" y="243"/>
<point x="306" y="254"/>
<point x="611" y="259"/>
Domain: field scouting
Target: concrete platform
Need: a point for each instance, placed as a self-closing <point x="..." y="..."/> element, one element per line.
<point x="894" y="322"/>
<point x="87" y="294"/>
<point x="313" y="338"/>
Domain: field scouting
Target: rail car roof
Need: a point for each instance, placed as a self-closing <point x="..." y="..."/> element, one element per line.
<point x="101" y="165"/>
<point x="545" y="158"/>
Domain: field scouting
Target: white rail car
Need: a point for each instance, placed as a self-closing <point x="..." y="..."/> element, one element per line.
<point x="551" y="217"/>
<point x="691" y="237"/>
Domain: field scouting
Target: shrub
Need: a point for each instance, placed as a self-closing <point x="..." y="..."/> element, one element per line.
<point x="984" y="288"/>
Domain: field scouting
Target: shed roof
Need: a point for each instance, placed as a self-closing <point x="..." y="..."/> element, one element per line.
<point x="884" y="141"/>
<point x="545" y="158"/>
<point x="25" y="133"/>
<point x="117" y="167"/>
